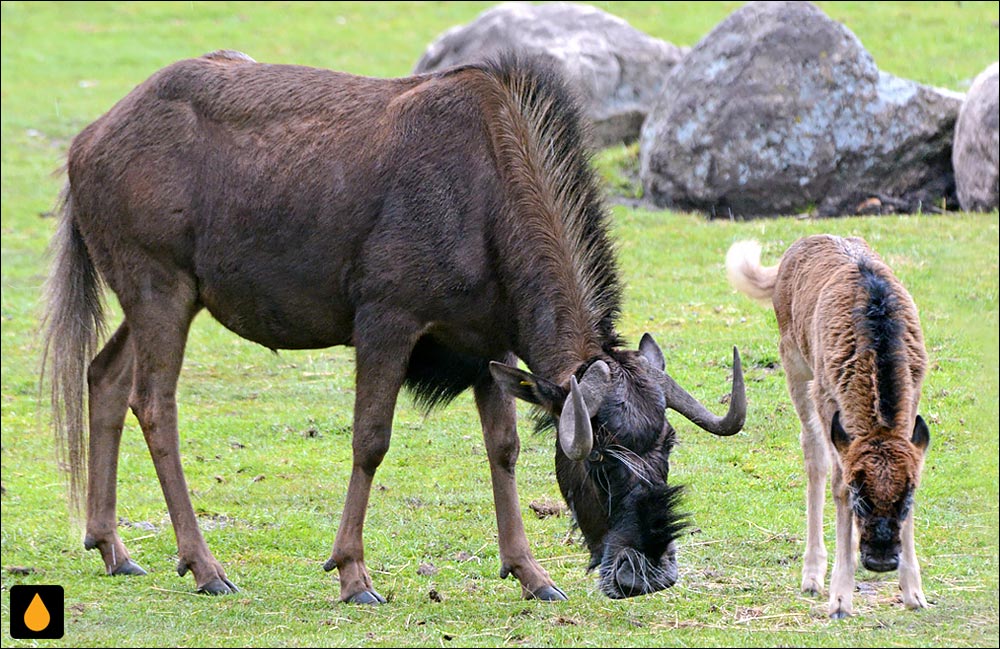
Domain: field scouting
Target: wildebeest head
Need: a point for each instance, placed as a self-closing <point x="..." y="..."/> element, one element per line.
<point x="612" y="458"/>
<point x="882" y="472"/>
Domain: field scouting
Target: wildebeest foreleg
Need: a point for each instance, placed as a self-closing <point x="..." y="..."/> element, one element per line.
<point x="159" y="326"/>
<point x="109" y="379"/>
<point x="845" y="560"/>
<point x="382" y="356"/>
<point x="909" y="569"/>
<point x="499" y="420"/>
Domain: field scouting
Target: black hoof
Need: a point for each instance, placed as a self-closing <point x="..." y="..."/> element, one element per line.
<point x="366" y="597"/>
<point x="219" y="587"/>
<point x="549" y="594"/>
<point x="128" y="568"/>
<point x="839" y="615"/>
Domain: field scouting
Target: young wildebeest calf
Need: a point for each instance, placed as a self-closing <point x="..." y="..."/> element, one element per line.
<point x="854" y="359"/>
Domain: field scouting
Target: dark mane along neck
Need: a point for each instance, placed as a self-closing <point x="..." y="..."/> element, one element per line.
<point x="559" y="260"/>
<point x="882" y="333"/>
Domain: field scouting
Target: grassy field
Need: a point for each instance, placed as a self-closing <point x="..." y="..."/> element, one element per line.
<point x="266" y="438"/>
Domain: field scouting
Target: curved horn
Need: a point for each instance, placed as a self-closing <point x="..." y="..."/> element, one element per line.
<point x="576" y="435"/>
<point x="679" y="400"/>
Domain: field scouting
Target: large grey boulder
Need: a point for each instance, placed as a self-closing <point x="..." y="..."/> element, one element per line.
<point x="781" y="110"/>
<point x="616" y="70"/>
<point x="977" y="144"/>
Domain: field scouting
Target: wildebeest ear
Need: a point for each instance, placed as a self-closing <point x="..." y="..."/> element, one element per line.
<point x="524" y="385"/>
<point x="921" y="434"/>
<point x="841" y="440"/>
<point x="651" y="352"/>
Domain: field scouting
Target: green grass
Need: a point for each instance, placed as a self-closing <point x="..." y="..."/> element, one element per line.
<point x="266" y="438"/>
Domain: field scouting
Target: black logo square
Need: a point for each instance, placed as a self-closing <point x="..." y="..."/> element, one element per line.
<point x="36" y="612"/>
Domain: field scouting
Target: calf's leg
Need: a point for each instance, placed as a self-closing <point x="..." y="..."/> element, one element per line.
<point x="845" y="561"/>
<point x="817" y="466"/>
<point x="909" y="568"/>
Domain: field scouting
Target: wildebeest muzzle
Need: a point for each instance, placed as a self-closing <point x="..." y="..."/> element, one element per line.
<point x="880" y="544"/>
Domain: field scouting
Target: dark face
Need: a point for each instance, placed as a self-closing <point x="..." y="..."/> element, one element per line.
<point x="612" y="457"/>
<point x="619" y="493"/>
<point x="879" y="515"/>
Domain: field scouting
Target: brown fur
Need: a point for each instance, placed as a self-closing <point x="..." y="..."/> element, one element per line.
<point x="444" y="225"/>
<point x="853" y="353"/>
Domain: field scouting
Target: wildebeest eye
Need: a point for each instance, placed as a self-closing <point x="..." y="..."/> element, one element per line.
<point x="595" y="456"/>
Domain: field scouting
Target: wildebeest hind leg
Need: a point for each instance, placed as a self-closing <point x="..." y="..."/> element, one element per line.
<point x="382" y="353"/>
<point x="109" y="380"/>
<point x="159" y="323"/>
<point x="499" y="420"/>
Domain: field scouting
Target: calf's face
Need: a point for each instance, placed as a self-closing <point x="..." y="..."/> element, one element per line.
<point x="882" y="472"/>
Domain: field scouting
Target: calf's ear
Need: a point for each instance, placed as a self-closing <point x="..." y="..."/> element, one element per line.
<point x="528" y="387"/>
<point x="841" y="440"/>
<point x="921" y="434"/>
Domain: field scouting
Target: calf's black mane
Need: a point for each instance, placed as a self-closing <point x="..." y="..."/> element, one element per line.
<point x="884" y="329"/>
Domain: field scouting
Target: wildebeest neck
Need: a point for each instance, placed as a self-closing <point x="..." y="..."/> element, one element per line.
<point x="553" y="229"/>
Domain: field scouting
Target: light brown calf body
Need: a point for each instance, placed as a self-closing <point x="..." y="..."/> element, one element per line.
<point x="853" y="354"/>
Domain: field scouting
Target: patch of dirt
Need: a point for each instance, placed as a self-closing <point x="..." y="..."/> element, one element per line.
<point x="19" y="570"/>
<point x="546" y="507"/>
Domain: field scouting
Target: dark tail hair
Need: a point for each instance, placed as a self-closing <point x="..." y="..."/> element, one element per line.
<point x="73" y="324"/>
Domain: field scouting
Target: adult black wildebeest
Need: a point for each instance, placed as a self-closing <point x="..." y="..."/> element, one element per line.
<point x="444" y="225"/>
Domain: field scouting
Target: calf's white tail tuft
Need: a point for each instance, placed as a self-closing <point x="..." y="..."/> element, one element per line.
<point x="747" y="275"/>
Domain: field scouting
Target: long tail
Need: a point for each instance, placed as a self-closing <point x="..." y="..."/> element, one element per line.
<point x="73" y="323"/>
<point x="747" y="275"/>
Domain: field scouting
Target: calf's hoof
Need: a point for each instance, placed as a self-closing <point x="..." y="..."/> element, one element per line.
<point x="812" y="586"/>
